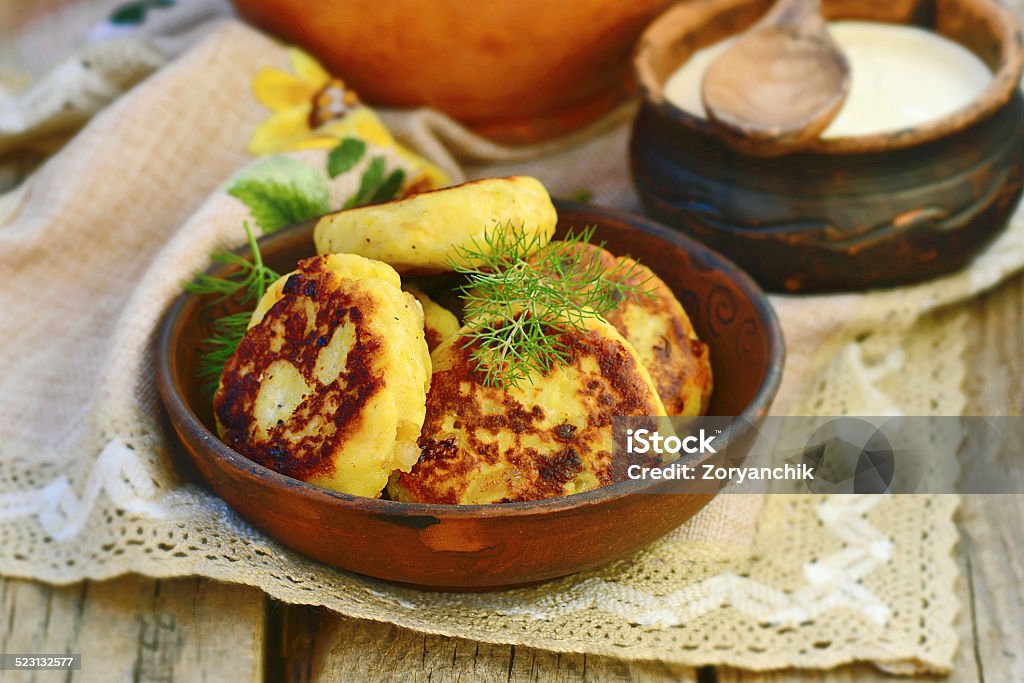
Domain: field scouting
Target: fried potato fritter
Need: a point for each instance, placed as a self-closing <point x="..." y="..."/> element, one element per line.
<point x="420" y="234"/>
<point x="485" y="444"/>
<point x="438" y="322"/>
<point x="661" y="331"/>
<point x="329" y="383"/>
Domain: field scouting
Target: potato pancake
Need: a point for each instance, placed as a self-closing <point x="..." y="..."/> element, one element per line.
<point x="329" y="382"/>
<point x="438" y="322"/>
<point x="421" y="234"/>
<point x="661" y="331"/>
<point x="484" y="444"/>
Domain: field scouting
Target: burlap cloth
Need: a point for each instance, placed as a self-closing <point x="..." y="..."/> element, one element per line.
<point x="96" y="243"/>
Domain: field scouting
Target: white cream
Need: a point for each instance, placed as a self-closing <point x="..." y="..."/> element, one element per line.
<point x="901" y="76"/>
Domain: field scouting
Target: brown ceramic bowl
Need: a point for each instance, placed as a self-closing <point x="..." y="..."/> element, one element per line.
<point x="488" y="546"/>
<point x="849" y="212"/>
<point x="516" y="70"/>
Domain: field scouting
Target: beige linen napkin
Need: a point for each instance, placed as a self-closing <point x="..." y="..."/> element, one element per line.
<point x="62" y="61"/>
<point x="97" y="243"/>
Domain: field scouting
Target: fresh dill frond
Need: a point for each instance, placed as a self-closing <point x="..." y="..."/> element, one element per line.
<point x="225" y="335"/>
<point x="520" y="296"/>
<point x="245" y="285"/>
<point x="251" y="277"/>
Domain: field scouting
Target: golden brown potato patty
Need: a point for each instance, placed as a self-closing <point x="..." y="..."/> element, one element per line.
<point x="661" y="331"/>
<point x="423" y="233"/>
<point x="438" y="322"/>
<point x="487" y="444"/>
<point x="329" y="383"/>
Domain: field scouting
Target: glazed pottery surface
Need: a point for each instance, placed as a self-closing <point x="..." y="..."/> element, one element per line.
<point x="516" y="70"/>
<point x="487" y="546"/>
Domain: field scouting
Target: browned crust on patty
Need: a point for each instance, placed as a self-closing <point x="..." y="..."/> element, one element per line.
<point x="492" y="426"/>
<point x="679" y="362"/>
<point x="285" y="449"/>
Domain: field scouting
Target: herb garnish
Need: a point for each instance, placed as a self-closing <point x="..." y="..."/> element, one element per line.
<point x="278" y="191"/>
<point x="247" y="284"/>
<point x="375" y="184"/>
<point x="520" y="296"/>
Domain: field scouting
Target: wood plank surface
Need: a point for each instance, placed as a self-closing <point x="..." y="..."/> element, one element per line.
<point x="861" y="673"/>
<point x="321" y="647"/>
<point x="137" y="629"/>
<point x="992" y="525"/>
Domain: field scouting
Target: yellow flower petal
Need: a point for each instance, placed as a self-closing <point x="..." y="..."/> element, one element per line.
<point x="307" y="68"/>
<point x="363" y="123"/>
<point x="314" y="141"/>
<point x="279" y="131"/>
<point x="280" y="91"/>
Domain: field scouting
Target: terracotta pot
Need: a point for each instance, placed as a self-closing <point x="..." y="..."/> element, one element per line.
<point x="486" y="546"/>
<point x="517" y="70"/>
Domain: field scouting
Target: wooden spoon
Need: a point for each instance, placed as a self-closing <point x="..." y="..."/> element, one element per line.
<point x="780" y="85"/>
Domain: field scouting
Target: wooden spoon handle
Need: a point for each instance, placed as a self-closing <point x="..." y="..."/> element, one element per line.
<point x="780" y="84"/>
<point x="802" y="14"/>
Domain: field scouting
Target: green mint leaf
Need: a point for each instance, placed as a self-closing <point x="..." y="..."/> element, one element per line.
<point x="390" y="188"/>
<point x="133" y="13"/>
<point x="346" y="155"/>
<point x="370" y="181"/>
<point x="280" y="191"/>
<point x="372" y="178"/>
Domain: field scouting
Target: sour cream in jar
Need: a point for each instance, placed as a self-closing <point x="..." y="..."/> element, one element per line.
<point x="901" y="76"/>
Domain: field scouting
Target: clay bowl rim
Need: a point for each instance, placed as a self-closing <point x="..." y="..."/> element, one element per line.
<point x="182" y="416"/>
<point x="1000" y="90"/>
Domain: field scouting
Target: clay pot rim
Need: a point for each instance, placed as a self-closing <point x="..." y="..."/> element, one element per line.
<point x="1000" y="90"/>
<point x="174" y="397"/>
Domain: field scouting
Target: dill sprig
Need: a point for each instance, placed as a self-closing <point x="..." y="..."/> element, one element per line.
<point x="246" y="285"/>
<point x="520" y="296"/>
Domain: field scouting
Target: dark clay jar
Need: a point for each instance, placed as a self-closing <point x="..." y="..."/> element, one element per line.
<point x="847" y="213"/>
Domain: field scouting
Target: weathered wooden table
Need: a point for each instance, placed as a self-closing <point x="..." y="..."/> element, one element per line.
<point x="139" y="629"/>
